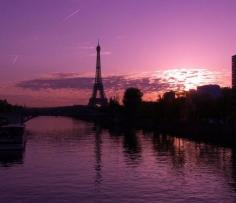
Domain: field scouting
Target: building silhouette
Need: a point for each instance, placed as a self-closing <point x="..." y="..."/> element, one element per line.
<point x="234" y="71"/>
<point x="210" y="90"/>
<point x="98" y="97"/>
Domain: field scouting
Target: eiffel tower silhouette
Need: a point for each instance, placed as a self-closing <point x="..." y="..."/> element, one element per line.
<point x="98" y="89"/>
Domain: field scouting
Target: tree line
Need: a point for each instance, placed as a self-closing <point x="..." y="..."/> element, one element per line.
<point x="5" y="106"/>
<point x="191" y="106"/>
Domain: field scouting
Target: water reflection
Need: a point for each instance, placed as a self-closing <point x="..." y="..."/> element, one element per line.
<point x="98" y="154"/>
<point x="10" y="158"/>
<point x="182" y="153"/>
<point x="68" y="160"/>
<point x="232" y="181"/>
<point x="132" y="146"/>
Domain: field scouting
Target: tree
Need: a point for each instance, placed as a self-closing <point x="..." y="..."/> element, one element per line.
<point x="132" y="99"/>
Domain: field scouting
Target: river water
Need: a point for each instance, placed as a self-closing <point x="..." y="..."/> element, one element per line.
<point x="67" y="160"/>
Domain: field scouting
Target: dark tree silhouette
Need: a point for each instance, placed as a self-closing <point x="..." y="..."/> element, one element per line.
<point x="4" y="106"/>
<point x="132" y="99"/>
<point x="7" y="107"/>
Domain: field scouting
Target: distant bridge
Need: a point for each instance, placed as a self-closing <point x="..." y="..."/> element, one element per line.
<point x="78" y="111"/>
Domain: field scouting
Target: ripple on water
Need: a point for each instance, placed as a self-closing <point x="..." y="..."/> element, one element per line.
<point x="66" y="160"/>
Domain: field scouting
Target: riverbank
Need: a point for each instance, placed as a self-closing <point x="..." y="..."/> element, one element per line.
<point x="215" y="133"/>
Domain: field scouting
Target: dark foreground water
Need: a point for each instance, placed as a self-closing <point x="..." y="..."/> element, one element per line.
<point x="72" y="161"/>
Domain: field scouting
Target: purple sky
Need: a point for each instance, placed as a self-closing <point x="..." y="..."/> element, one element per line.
<point x="41" y="37"/>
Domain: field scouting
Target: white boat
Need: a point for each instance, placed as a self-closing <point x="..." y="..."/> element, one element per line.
<point x="12" y="137"/>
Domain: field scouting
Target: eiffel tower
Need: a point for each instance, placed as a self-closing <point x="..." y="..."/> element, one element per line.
<point x="98" y="89"/>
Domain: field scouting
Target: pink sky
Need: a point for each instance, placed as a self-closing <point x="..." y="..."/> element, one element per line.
<point x="43" y="37"/>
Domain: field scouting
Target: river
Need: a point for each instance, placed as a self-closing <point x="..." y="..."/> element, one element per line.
<point x="68" y="160"/>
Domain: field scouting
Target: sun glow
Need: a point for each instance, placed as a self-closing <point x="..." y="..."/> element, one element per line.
<point x="185" y="79"/>
<point x="75" y="88"/>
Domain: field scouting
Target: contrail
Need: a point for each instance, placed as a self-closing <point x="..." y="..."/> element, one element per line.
<point x="71" y="15"/>
<point x="15" y="59"/>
